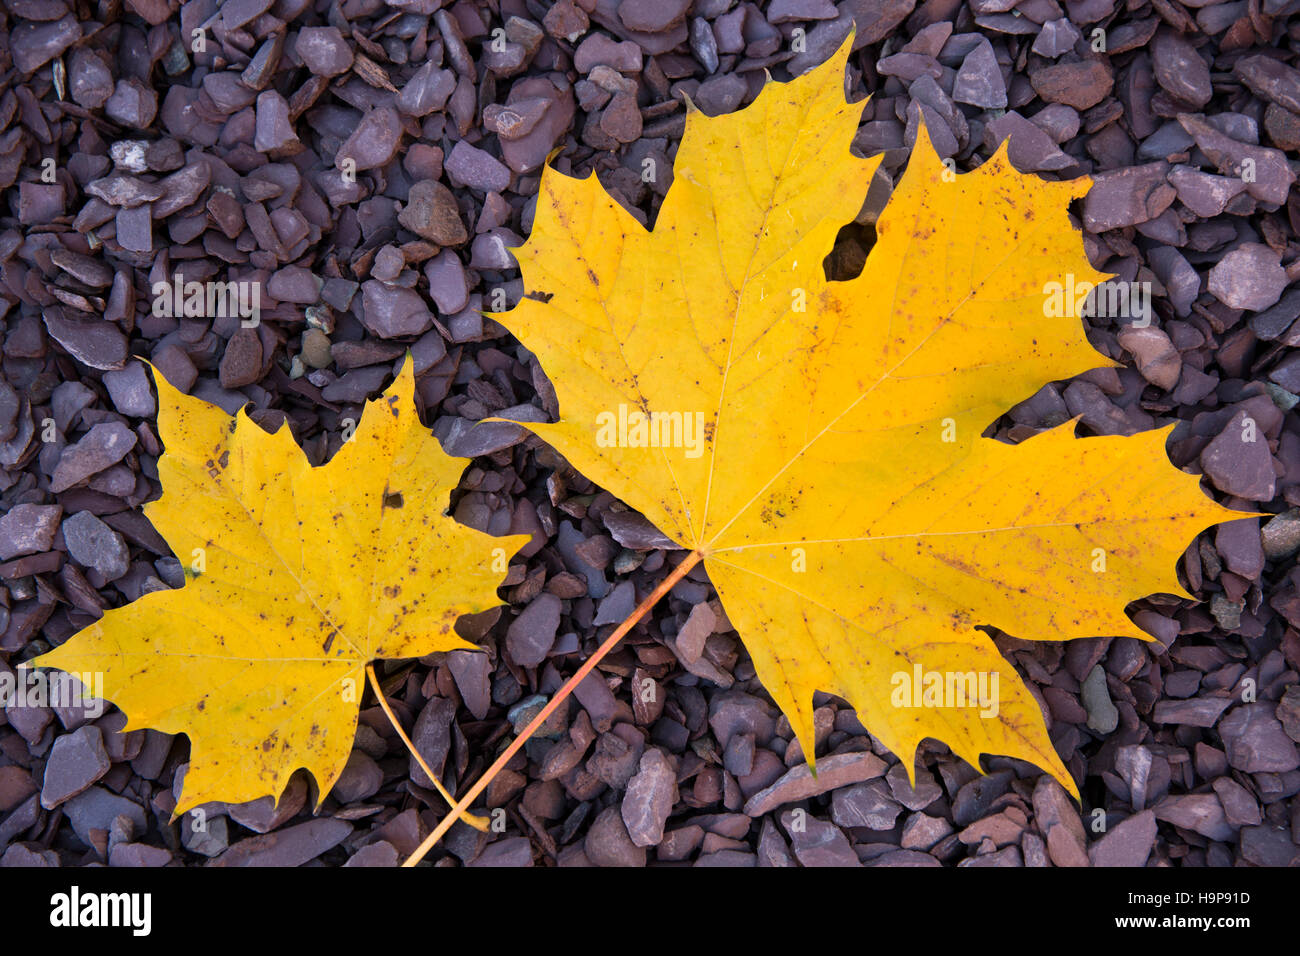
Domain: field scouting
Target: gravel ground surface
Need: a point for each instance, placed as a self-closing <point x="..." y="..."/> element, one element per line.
<point x="127" y="157"/>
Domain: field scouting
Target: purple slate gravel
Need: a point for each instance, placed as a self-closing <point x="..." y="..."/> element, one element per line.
<point x="367" y="169"/>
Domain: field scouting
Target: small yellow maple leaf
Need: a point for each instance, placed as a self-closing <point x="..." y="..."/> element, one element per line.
<point x="298" y="578"/>
<point x="819" y="443"/>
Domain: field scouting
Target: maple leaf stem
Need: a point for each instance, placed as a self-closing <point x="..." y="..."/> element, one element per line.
<point x="667" y="584"/>
<point x="478" y="823"/>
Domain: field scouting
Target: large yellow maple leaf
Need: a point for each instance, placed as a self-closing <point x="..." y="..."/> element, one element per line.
<point x="818" y="443"/>
<point x="299" y="577"/>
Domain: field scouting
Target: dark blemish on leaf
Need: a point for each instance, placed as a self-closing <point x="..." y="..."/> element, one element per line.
<point x="394" y="500"/>
<point x="330" y="640"/>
